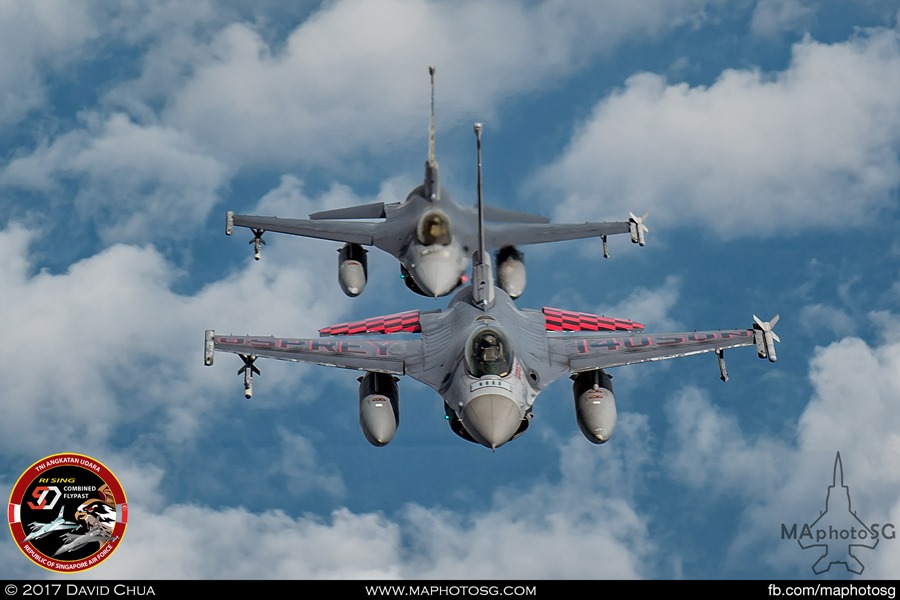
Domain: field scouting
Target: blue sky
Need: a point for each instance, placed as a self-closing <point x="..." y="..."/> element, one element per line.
<point x="762" y="137"/>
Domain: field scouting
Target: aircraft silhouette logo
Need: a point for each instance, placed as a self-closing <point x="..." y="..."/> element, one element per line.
<point x="838" y="532"/>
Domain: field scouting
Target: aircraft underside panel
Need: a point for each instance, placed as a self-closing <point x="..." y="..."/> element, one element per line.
<point x="405" y="322"/>
<point x="387" y="356"/>
<point x="568" y="320"/>
<point x="601" y="350"/>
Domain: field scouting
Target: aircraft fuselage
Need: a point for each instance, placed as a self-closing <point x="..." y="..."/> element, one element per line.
<point x="494" y="364"/>
<point x="428" y="239"/>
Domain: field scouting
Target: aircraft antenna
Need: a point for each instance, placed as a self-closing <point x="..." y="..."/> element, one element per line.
<point x="432" y="189"/>
<point x="482" y="275"/>
<point x="431" y="120"/>
<point x="480" y="196"/>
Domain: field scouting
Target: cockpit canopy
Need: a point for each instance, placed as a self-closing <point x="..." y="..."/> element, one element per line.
<point x="434" y="228"/>
<point x="488" y="353"/>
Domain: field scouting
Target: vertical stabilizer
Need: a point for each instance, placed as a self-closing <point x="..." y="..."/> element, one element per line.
<point x="838" y="475"/>
<point x="482" y="272"/>
<point x="432" y="187"/>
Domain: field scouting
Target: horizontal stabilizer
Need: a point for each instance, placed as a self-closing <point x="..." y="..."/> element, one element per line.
<point x="493" y="213"/>
<point x="568" y="320"/>
<point x="405" y="322"/>
<point x="363" y="211"/>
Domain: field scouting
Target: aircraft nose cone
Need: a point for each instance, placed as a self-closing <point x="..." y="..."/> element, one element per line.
<point x="436" y="275"/>
<point x="491" y="419"/>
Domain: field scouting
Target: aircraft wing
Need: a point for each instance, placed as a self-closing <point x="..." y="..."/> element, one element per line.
<point x="338" y="231"/>
<point x="381" y="355"/>
<point x="376" y="210"/>
<point x="518" y="234"/>
<point x="599" y="350"/>
<point x="495" y="213"/>
<point x="362" y="211"/>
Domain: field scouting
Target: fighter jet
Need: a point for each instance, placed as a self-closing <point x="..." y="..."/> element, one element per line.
<point x="74" y="541"/>
<point x="430" y="234"/>
<point x="39" y="530"/>
<point x="487" y="359"/>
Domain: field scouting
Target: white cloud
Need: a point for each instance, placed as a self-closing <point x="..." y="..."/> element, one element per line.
<point x="136" y="183"/>
<point x="551" y="544"/>
<point x="583" y="526"/>
<point x="289" y="199"/>
<point x="651" y="307"/>
<point x="855" y="406"/>
<point x="773" y="17"/>
<point x="111" y="328"/>
<point x="754" y="154"/>
<point x="820" y="317"/>
<point x="353" y="75"/>
<point x="38" y="39"/>
<point x="164" y="545"/>
<point x="299" y="467"/>
<point x="713" y="452"/>
<point x="214" y="93"/>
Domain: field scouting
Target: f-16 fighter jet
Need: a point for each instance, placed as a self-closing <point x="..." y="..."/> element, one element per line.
<point x="431" y="235"/>
<point x="487" y="359"/>
<point x="39" y="530"/>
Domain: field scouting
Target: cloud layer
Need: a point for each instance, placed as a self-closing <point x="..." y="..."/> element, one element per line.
<point x="754" y="154"/>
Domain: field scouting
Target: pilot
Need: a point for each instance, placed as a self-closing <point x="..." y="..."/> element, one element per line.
<point x="490" y="349"/>
<point x="492" y="354"/>
<point x="435" y="231"/>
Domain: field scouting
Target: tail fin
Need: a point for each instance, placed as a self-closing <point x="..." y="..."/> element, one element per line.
<point x="482" y="272"/>
<point x="432" y="187"/>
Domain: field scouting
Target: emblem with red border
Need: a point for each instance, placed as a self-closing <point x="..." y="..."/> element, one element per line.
<point x="67" y="513"/>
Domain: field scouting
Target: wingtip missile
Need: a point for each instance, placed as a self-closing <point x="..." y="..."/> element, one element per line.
<point x="638" y="227"/>
<point x="765" y="338"/>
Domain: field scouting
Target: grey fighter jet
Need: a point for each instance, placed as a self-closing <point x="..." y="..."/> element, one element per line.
<point x="430" y="235"/>
<point x="74" y="541"/>
<point x="487" y="358"/>
<point x="39" y="530"/>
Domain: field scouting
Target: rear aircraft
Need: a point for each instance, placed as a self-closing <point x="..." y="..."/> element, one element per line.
<point x="430" y="234"/>
<point x="487" y="359"/>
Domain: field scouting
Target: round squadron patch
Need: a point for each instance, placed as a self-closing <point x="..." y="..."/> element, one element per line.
<point x="67" y="513"/>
